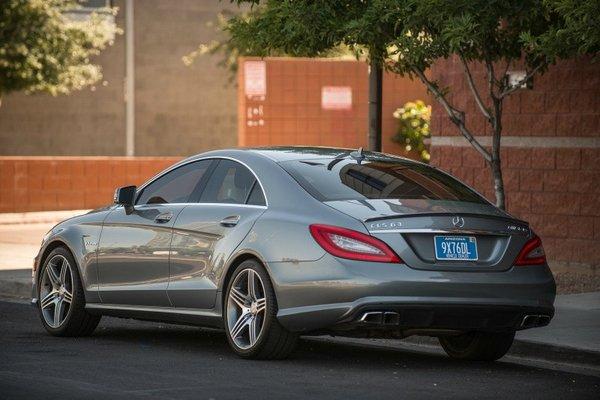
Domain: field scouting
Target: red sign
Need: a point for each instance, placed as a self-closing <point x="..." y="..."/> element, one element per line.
<point x="336" y="98"/>
<point x="255" y="78"/>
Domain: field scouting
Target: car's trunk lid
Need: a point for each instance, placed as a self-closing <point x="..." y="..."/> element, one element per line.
<point x="409" y="227"/>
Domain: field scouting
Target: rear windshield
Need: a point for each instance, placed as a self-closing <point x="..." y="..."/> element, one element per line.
<point x="344" y="179"/>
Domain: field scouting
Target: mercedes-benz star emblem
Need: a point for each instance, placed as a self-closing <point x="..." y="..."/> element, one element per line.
<point x="458" y="222"/>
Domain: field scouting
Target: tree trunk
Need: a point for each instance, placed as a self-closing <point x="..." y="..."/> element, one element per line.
<point x="375" y="106"/>
<point x="496" y="162"/>
<point x="498" y="182"/>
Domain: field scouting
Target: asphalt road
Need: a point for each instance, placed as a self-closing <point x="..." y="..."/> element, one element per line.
<point x="131" y="359"/>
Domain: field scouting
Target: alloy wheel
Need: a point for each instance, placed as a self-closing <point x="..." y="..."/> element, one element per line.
<point x="56" y="291"/>
<point x="246" y="305"/>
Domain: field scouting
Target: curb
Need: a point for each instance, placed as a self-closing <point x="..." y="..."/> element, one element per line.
<point x="553" y="353"/>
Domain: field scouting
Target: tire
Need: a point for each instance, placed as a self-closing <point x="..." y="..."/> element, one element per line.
<point x="270" y="340"/>
<point x="481" y="346"/>
<point x="73" y="319"/>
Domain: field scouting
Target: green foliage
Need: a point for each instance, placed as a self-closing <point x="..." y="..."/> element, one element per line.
<point x="413" y="127"/>
<point x="577" y="31"/>
<point x="45" y="49"/>
<point x="301" y="28"/>
<point x="410" y="35"/>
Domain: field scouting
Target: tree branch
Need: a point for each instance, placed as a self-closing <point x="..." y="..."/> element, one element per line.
<point x="491" y="78"/>
<point x="484" y="110"/>
<point x="506" y="67"/>
<point x="455" y="116"/>
<point x="511" y="89"/>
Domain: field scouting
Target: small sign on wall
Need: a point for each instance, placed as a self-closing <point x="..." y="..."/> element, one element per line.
<point x="336" y="98"/>
<point x="255" y="79"/>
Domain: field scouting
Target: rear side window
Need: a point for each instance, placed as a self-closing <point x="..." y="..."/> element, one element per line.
<point x="231" y="182"/>
<point x="175" y="186"/>
<point x="345" y="179"/>
<point x="256" y="197"/>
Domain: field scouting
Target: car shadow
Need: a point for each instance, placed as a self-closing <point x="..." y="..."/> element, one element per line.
<point x="324" y="351"/>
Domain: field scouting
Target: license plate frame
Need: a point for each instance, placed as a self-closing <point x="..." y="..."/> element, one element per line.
<point x="470" y="246"/>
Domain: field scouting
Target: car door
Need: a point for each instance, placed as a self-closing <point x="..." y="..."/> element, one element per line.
<point x="207" y="233"/>
<point x="133" y="253"/>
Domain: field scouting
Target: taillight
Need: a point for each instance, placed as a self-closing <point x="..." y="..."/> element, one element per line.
<point x="346" y="243"/>
<point x="532" y="253"/>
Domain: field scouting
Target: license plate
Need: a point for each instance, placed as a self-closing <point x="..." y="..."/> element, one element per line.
<point x="457" y="248"/>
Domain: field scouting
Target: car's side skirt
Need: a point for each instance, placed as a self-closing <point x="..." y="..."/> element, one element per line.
<point x="210" y="318"/>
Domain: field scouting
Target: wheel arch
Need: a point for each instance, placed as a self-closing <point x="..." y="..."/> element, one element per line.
<point x="236" y="260"/>
<point x="52" y="245"/>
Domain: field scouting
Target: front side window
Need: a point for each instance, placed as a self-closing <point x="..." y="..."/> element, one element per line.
<point x="346" y="179"/>
<point x="231" y="182"/>
<point x="175" y="186"/>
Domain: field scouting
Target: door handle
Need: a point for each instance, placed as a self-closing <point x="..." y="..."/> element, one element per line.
<point x="164" y="217"/>
<point x="230" y="221"/>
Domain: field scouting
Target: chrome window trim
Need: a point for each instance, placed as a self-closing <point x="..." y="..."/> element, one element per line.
<point x="203" y="204"/>
<point x="173" y="167"/>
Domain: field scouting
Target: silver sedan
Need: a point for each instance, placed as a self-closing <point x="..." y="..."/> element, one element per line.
<point x="274" y="243"/>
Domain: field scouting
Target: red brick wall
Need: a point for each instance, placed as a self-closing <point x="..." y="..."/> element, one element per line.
<point x="564" y="102"/>
<point x="556" y="189"/>
<point x="551" y="155"/>
<point x="70" y="183"/>
<point x="292" y="113"/>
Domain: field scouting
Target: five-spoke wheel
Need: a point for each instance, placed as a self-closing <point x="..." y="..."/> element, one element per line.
<point x="61" y="299"/>
<point x="246" y="308"/>
<point x="56" y="290"/>
<point x="250" y="315"/>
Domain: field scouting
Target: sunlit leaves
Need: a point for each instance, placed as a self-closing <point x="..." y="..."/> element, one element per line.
<point x="46" y="47"/>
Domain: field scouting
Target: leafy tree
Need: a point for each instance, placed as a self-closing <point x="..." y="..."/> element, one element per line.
<point x="46" y="47"/>
<point x="409" y="36"/>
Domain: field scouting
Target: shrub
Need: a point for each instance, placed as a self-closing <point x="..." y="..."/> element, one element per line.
<point x="413" y="127"/>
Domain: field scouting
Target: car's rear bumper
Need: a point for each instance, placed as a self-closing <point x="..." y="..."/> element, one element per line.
<point x="399" y="314"/>
<point x="334" y="294"/>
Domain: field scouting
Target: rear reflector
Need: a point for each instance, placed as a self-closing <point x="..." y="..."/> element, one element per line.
<point x="353" y="245"/>
<point x="532" y="253"/>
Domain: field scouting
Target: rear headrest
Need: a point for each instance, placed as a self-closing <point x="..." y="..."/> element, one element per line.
<point x="243" y="178"/>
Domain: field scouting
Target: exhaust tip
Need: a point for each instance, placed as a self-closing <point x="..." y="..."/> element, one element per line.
<point x="380" y="318"/>
<point x="529" y="321"/>
<point x="372" y="317"/>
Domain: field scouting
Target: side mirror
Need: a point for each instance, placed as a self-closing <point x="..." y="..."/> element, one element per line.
<point x="125" y="196"/>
